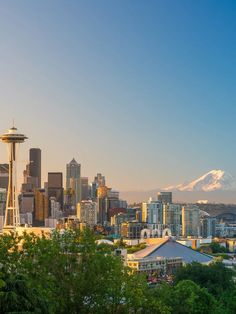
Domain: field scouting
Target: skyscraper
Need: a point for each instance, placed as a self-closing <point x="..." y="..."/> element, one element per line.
<point x="73" y="180"/>
<point x="87" y="212"/>
<point x="84" y="188"/>
<point x="41" y="207"/>
<point x="100" y="180"/>
<point x="164" y="197"/>
<point x="102" y="204"/>
<point x="190" y="220"/>
<point x="55" y="187"/>
<point x="171" y="217"/>
<point x="35" y="165"/>
<point x="152" y="212"/>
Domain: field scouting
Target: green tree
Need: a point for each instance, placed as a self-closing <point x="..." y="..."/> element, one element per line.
<point x="215" y="277"/>
<point x="17" y="296"/>
<point x="71" y="272"/>
<point x="189" y="298"/>
<point x="217" y="248"/>
<point x="159" y="300"/>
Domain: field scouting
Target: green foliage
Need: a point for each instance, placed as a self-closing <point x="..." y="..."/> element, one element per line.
<point x="70" y="273"/>
<point x="212" y="248"/>
<point x="217" y="248"/>
<point x="190" y="298"/>
<point x="136" y="248"/>
<point x="17" y="296"/>
<point x="223" y="256"/>
<point x="215" y="277"/>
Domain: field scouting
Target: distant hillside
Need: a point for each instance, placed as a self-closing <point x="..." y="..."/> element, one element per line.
<point x="218" y="196"/>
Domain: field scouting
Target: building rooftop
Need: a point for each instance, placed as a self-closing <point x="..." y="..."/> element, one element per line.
<point x="169" y="248"/>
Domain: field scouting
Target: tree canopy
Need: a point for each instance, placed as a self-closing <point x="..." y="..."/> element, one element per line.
<point x="69" y="273"/>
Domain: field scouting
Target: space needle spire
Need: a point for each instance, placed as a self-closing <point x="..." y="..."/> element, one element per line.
<point x="12" y="216"/>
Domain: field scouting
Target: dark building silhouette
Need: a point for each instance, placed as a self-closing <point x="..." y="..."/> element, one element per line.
<point x="35" y="166"/>
<point x="4" y="176"/>
<point x="55" y="187"/>
<point x="164" y="197"/>
<point x="84" y="188"/>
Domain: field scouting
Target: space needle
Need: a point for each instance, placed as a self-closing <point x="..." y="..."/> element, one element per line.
<point x="12" y="216"/>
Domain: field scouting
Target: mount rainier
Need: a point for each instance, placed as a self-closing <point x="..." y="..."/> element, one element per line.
<point x="211" y="181"/>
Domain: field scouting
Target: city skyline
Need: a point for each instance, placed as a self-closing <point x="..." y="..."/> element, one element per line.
<point x="143" y="94"/>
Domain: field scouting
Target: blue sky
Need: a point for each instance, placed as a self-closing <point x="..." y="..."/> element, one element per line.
<point x="142" y="91"/>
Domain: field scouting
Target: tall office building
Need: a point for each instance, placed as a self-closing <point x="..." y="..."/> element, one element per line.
<point x="73" y="181"/>
<point x="35" y="166"/>
<point x="100" y="180"/>
<point x="171" y="217"/>
<point x="41" y="211"/>
<point x="26" y="202"/>
<point x="84" y="188"/>
<point x="208" y="226"/>
<point x="190" y="220"/>
<point x="4" y="176"/>
<point x="152" y="212"/>
<point x="164" y="197"/>
<point x="102" y="204"/>
<point x="112" y="200"/>
<point x="87" y="212"/>
<point x="55" y="187"/>
<point x="29" y="183"/>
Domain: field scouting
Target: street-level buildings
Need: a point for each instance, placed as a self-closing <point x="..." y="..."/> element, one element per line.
<point x="132" y="229"/>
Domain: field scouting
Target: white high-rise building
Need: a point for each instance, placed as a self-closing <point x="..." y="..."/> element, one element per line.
<point x="190" y="220"/>
<point x="152" y="212"/>
<point x="87" y="212"/>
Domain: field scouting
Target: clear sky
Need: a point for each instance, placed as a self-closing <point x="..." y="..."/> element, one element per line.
<point x="142" y="91"/>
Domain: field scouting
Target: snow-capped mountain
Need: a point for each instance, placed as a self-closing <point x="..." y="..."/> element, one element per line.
<point x="211" y="181"/>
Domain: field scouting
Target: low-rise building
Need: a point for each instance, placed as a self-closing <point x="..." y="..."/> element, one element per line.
<point x="170" y="249"/>
<point x="132" y="229"/>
